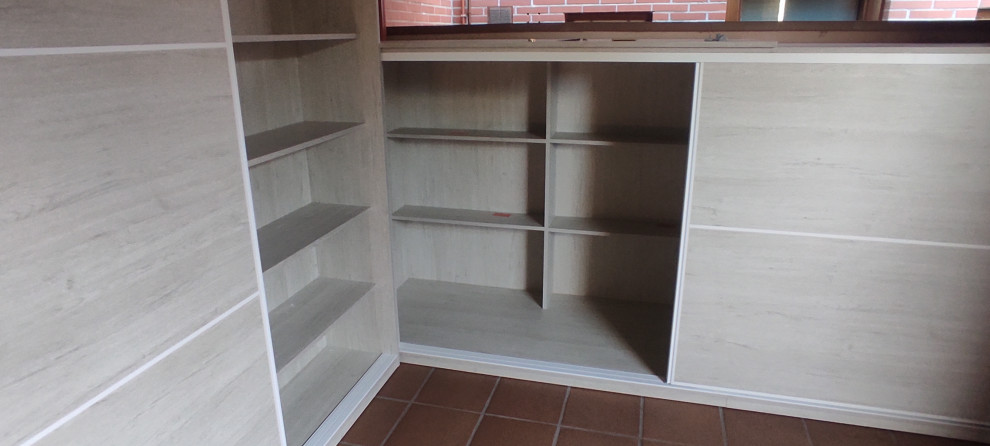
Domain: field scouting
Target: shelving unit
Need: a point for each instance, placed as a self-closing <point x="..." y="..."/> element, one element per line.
<point x="308" y="84"/>
<point x="536" y="210"/>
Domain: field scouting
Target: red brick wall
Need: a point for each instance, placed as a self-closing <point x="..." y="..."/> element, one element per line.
<point x="935" y="9"/>
<point x="446" y="12"/>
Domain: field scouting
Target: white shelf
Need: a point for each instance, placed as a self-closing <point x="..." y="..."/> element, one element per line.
<point x="266" y="146"/>
<point x="588" y="332"/>
<point x="466" y="135"/>
<point x="284" y="237"/>
<point x="467" y="217"/>
<point x="675" y="138"/>
<point x="262" y="38"/>
<point x="308" y="313"/>
<point x="313" y="394"/>
<point x="603" y="227"/>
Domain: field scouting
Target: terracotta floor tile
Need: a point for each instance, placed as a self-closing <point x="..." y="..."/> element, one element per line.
<point x="495" y="431"/>
<point x="374" y="423"/>
<point x="602" y="411"/>
<point x="687" y="423"/>
<point x="906" y="439"/>
<point x="460" y="390"/>
<point x="835" y="434"/>
<point x="572" y="437"/>
<point x="404" y="383"/>
<point x="757" y="429"/>
<point x="528" y="400"/>
<point x="433" y="426"/>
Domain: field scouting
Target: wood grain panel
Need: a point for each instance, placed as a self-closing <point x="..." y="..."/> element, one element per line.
<point x="122" y="220"/>
<point x="899" y="151"/>
<point x="620" y="267"/>
<point x="291" y="17"/>
<point x="503" y="258"/>
<point x="623" y="98"/>
<point x="280" y="187"/>
<point x="493" y="177"/>
<point x="507" y="96"/>
<point x="61" y="23"/>
<point x="214" y="390"/>
<point x="630" y="183"/>
<point x="895" y="326"/>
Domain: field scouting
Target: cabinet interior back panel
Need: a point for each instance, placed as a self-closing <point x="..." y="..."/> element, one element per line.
<point x="622" y="97"/>
<point x="291" y="17"/>
<point x="280" y="187"/>
<point x="487" y="257"/>
<point x="466" y="95"/>
<point x="620" y="267"/>
<point x="223" y="371"/>
<point x="128" y="201"/>
<point x="478" y="176"/>
<point x="899" y="151"/>
<point x="67" y="23"/>
<point x="270" y="92"/>
<point x="638" y="182"/>
<point x="888" y="325"/>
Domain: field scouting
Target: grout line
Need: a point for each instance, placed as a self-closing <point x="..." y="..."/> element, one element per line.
<point x="642" y="410"/>
<point x="107" y="49"/>
<point x="614" y="434"/>
<point x="560" y="419"/>
<point x="807" y="433"/>
<point x="484" y="409"/>
<point x="854" y="238"/>
<point x="725" y="432"/>
<point x="136" y="372"/>
<point x="408" y="406"/>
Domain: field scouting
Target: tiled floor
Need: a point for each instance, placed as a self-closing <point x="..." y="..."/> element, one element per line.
<point x="421" y="406"/>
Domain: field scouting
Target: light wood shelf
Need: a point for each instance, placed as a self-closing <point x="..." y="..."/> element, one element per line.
<point x="605" y="226"/>
<point x="283" y="237"/>
<point x="266" y="146"/>
<point x="675" y="138"/>
<point x="466" y="135"/>
<point x="590" y="332"/>
<point x="319" y="387"/>
<point x="308" y="313"/>
<point x="468" y="217"/>
<point x="271" y="38"/>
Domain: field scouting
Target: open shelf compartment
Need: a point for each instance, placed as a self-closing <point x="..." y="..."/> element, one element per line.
<point x="284" y="237"/>
<point x="272" y="144"/>
<point x="468" y="217"/>
<point x="307" y="314"/>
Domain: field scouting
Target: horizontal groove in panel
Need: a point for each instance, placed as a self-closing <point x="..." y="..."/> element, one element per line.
<point x="467" y="135"/>
<point x="261" y="38"/>
<point x="605" y="226"/>
<point x="589" y="332"/>
<point x="308" y="313"/>
<point x="468" y="217"/>
<point x="266" y="146"/>
<point x="678" y="138"/>
<point x="284" y="237"/>
<point x="313" y="394"/>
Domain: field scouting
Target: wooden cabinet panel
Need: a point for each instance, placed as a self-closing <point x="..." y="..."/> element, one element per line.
<point x="223" y="371"/>
<point x="67" y="23"/>
<point x="895" y="151"/>
<point x="122" y="220"/>
<point x="895" y="326"/>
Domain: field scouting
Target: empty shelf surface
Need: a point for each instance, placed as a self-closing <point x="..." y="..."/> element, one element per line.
<point x="467" y="135"/>
<point x="467" y="217"/>
<point x="312" y="395"/>
<point x="266" y="146"/>
<point x="257" y="38"/>
<point x="284" y="237"/>
<point x="601" y="333"/>
<point x="673" y="137"/>
<point x="605" y="226"/>
<point x="301" y="319"/>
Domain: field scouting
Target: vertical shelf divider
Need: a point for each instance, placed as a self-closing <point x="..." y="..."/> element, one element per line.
<point x="548" y="182"/>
